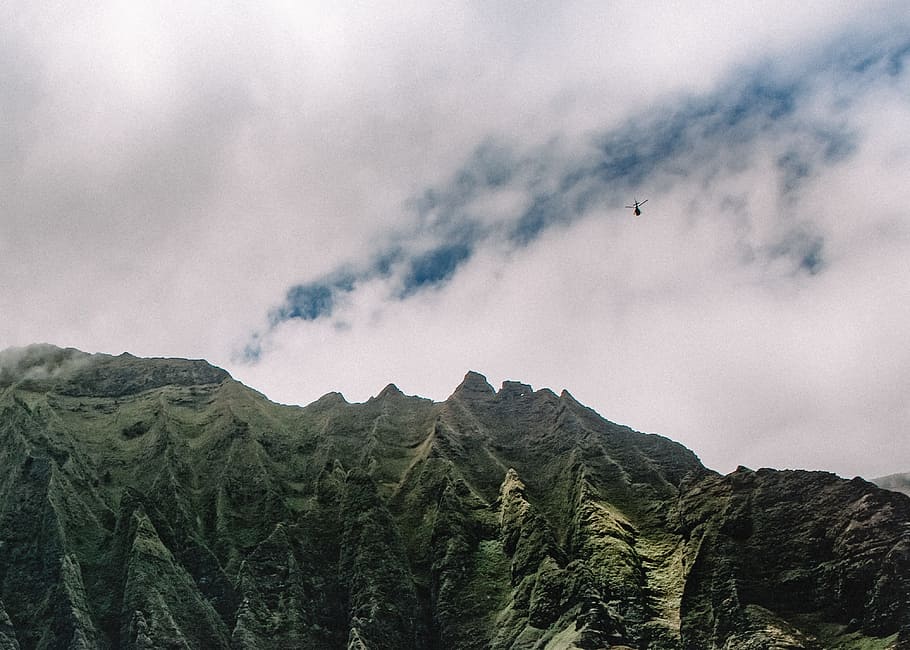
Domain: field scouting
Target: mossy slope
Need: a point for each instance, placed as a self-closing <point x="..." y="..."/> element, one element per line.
<point x="158" y="503"/>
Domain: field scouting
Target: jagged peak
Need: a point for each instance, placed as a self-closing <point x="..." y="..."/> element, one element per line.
<point x="474" y="385"/>
<point x="569" y="400"/>
<point x="391" y="390"/>
<point x="512" y="388"/>
<point x="330" y="399"/>
<point x="512" y="500"/>
<point x="600" y="515"/>
<point x="511" y="478"/>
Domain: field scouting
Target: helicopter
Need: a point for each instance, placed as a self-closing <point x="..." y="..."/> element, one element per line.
<point x="636" y="206"/>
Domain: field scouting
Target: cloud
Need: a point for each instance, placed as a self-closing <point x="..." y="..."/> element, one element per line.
<point x="726" y="297"/>
<point x="703" y="139"/>
<point x="435" y="266"/>
<point x="40" y="362"/>
<point x="330" y="196"/>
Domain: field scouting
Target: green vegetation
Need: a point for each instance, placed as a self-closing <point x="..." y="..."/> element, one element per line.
<point x="159" y="503"/>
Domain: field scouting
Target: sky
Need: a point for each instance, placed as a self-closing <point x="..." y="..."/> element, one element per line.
<point x="336" y="196"/>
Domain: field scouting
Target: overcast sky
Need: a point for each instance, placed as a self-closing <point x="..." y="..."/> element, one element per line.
<point x="335" y="196"/>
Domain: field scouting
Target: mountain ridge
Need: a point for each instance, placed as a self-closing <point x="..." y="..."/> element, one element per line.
<point x="156" y="502"/>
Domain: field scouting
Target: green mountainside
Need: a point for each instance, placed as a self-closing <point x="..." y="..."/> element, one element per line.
<point x="158" y="503"/>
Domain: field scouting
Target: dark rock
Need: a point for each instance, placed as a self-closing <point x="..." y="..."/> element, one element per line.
<point x="43" y="368"/>
<point x="128" y="375"/>
<point x="514" y="390"/>
<point x="790" y="544"/>
<point x="474" y="387"/>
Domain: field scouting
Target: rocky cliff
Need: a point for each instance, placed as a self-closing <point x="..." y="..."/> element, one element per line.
<point x="150" y="503"/>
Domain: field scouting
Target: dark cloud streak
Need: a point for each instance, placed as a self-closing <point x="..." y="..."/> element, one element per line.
<point x="434" y="267"/>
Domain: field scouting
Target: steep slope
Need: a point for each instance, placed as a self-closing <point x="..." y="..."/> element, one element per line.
<point x="159" y="503"/>
<point x="793" y="559"/>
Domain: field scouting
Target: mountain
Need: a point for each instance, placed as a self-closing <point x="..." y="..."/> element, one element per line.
<point x="158" y="503"/>
<point x="897" y="482"/>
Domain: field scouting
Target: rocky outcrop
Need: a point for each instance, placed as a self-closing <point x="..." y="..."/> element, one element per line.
<point x="776" y="552"/>
<point x="161" y="604"/>
<point x="43" y="368"/>
<point x="159" y="503"/>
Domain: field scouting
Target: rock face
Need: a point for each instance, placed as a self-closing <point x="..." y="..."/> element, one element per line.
<point x="152" y="503"/>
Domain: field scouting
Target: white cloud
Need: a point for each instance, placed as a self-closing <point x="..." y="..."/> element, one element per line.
<point x="167" y="174"/>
